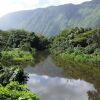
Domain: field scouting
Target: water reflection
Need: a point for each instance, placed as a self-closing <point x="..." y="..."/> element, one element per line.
<point x="46" y="67"/>
<point x="56" y="88"/>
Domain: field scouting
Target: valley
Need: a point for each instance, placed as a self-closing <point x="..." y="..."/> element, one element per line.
<point x="52" y="52"/>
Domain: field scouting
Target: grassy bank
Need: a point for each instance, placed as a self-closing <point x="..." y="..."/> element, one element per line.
<point x="17" y="55"/>
<point x="76" y="69"/>
<point x="80" y="57"/>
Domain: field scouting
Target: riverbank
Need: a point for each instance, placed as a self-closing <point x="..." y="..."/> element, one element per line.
<point x="81" y="45"/>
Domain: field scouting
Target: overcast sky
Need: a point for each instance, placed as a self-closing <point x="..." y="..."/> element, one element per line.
<point x="7" y="6"/>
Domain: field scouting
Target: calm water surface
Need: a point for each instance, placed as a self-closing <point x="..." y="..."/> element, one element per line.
<point x="48" y="80"/>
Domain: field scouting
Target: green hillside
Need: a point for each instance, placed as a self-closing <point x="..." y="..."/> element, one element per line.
<point x="53" y="19"/>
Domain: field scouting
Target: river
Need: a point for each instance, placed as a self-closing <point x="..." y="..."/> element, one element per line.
<point x="50" y="82"/>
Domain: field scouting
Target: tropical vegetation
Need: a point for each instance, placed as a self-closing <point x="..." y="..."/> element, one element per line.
<point x="78" y="44"/>
<point x="16" y="91"/>
<point x="12" y="84"/>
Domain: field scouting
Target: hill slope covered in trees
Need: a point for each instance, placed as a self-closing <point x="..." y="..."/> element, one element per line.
<point x="52" y="20"/>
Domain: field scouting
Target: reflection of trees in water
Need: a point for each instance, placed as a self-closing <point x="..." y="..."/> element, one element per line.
<point x="41" y="56"/>
<point x="81" y="71"/>
<point x="96" y="95"/>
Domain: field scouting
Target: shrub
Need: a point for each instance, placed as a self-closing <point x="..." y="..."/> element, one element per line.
<point x="12" y="73"/>
<point x="17" y="54"/>
<point x="16" y="91"/>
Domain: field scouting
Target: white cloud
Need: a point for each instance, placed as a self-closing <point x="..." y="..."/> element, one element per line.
<point x="7" y="6"/>
<point x="28" y="3"/>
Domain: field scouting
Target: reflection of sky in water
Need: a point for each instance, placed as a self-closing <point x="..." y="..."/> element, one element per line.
<point x="56" y="88"/>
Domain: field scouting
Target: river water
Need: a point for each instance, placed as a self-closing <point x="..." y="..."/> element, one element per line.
<point x="49" y="82"/>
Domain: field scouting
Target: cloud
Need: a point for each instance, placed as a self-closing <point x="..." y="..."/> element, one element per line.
<point x="28" y="3"/>
<point x="7" y="6"/>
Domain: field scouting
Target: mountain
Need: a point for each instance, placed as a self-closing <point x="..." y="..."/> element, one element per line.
<point x="51" y="20"/>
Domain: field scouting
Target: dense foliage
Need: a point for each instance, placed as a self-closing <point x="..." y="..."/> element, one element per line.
<point x="16" y="91"/>
<point x="22" y="39"/>
<point x="12" y="84"/>
<point x="20" y="45"/>
<point x="78" y="44"/>
<point x="12" y="73"/>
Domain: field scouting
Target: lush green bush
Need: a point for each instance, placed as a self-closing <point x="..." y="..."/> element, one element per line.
<point x="22" y="39"/>
<point x="12" y="73"/>
<point x="16" y="91"/>
<point x="12" y="84"/>
<point x="17" y="54"/>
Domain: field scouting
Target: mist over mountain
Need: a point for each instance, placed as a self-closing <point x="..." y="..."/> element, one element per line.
<point x="53" y="19"/>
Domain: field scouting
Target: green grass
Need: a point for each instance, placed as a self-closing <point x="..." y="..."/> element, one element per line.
<point x="82" y="58"/>
<point x="17" y="55"/>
